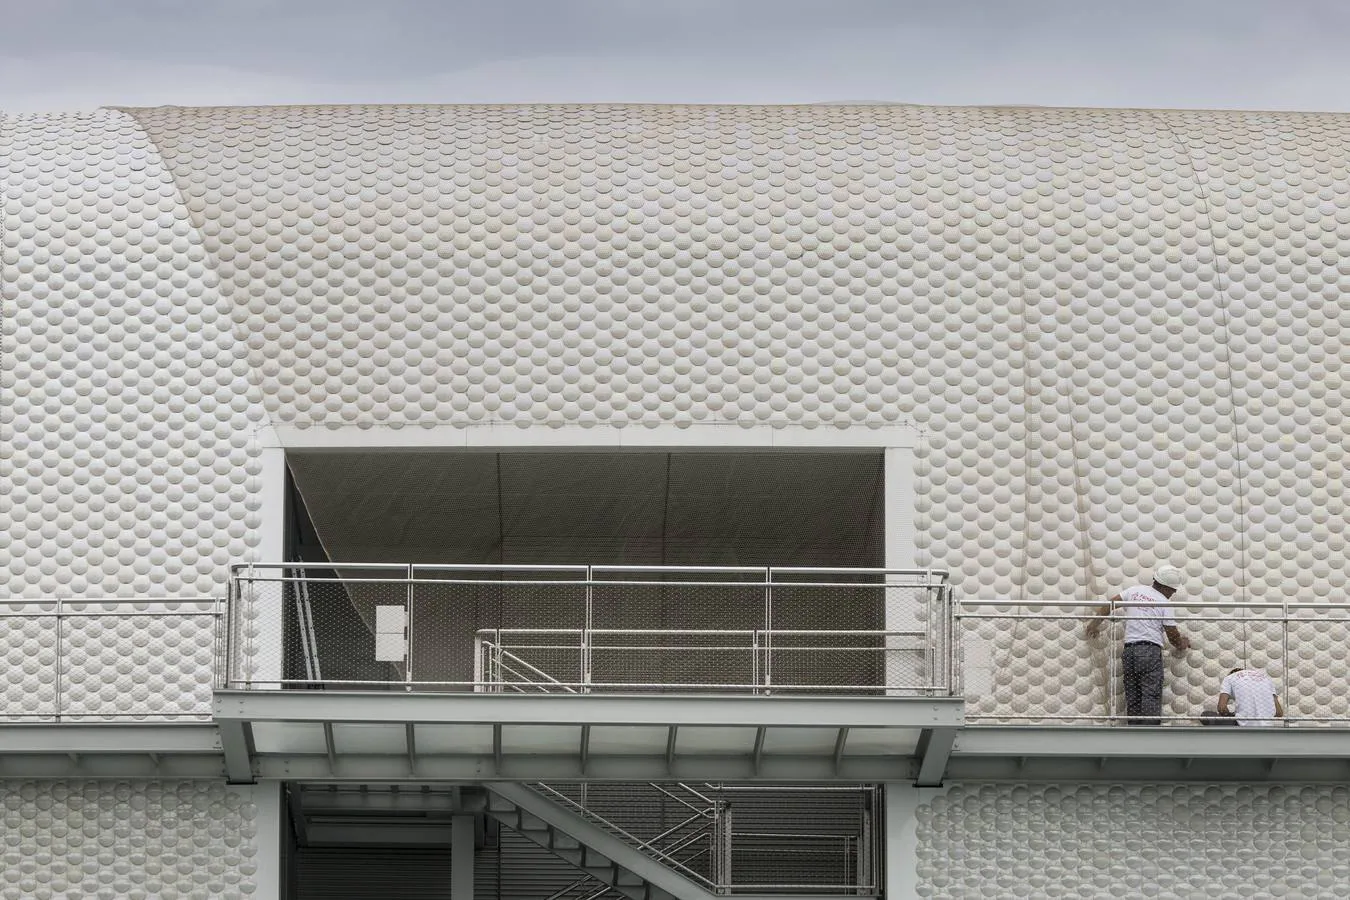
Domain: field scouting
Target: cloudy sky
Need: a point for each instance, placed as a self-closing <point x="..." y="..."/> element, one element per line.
<point x="1262" y="54"/>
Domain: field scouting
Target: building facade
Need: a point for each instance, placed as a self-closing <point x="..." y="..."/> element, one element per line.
<point x="1036" y="351"/>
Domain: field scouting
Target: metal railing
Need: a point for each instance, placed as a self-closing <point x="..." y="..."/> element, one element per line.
<point x="699" y="839"/>
<point x="93" y="660"/>
<point x="591" y="628"/>
<point x="633" y="660"/>
<point x="692" y="845"/>
<point x="1078" y="679"/>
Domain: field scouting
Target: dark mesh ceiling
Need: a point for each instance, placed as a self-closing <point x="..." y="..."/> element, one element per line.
<point x="634" y="508"/>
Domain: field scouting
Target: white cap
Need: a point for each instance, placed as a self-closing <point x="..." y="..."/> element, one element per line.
<point x="1168" y="576"/>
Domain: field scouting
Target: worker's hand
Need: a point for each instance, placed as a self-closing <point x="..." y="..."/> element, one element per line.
<point x="1094" y="628"/>
<point x="1183" y="644"/>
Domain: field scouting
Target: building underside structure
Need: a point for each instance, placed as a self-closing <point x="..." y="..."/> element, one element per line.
<point x="567" y="502"/>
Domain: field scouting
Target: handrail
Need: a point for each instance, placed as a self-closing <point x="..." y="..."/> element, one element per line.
<point x="638" y="843"/>
<point x="501" y="651"/>
<point x="60" y="612"/>
<point x="1273" y="625"/>
<point x="898" y="611"/>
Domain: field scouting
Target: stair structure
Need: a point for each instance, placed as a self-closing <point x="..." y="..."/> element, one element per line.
<point x="590" y="848"/>
<point x="596" y="852"/>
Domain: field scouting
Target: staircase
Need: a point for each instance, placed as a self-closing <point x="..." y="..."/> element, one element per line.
<point x="608" y="859"/>
<point x="588" y="847"/>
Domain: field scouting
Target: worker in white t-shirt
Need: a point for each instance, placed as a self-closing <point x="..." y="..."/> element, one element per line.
<point x="1147" y="622"/>
<point x="1246" y="697"/>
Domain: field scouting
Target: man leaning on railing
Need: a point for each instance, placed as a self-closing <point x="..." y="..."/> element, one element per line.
<point x="1147" y="620"/>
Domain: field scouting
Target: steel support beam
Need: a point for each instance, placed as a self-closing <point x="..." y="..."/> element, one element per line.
<point x="461" y="857"/>
<point x="129" y="766"/>
<point x="1172" y="743"/>
<point x="935" y="746"/>
<point x="839" y="743"/>
<point x="392" y="768"/>
<point x="377" y="707"/>
<point x="1096" y="753"/>
<point x="1151" y="769"/>
<point x="299" y="824"/>
<point x="672" y="736"/>
<point x="236" y="741"/>
<point x="109" y="738"/>
<point x="384" y="834"/>
<point x="329" y="801"/>
<point x="110" y="750"/>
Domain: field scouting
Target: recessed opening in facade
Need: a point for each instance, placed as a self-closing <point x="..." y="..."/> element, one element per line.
<point x="566" y="509"/>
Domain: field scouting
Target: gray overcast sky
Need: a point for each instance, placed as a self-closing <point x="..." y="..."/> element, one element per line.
<point x="1260" y="54"/>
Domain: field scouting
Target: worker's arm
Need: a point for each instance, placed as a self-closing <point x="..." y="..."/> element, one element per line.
<point x="1279" y="707"/>
<point x="1100" y="615"/>
<point x="1223" y="705"/>
<point x="1177" y="639"/>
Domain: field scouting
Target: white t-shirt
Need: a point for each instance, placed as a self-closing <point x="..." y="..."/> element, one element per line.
<point x="1251" y="697"/>
<point x="1145" y="623"/>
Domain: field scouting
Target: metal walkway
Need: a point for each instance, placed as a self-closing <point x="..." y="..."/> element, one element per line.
<point x="388" y="736"/>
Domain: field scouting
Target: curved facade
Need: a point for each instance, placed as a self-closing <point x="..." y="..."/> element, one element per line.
<point x="1122" y="334"/>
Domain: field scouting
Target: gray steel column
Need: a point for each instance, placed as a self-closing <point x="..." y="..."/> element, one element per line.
<point x="461" y="857"/>
<point x="270" y="824"/>
<point x="899" y="874"/>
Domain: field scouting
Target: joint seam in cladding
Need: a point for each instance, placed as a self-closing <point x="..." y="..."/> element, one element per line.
<point x="1222" y="282"/>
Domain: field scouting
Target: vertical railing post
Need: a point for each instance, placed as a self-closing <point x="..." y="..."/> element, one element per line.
<point x="498" y="674"/>
<point x="863" y="873"/>
<point x="253" y="612"/>
<point x="588" y="623"/>
<point x="726" y="848"/>
<point x="754" y="661"/>
<point x="1284" y="623"/>
<point x="953" y="638"/>
<point x="408" y="630"/>
<point x="958" y="664"/>
<point x="60" y="658"/>
<point x="1112" y="667"/>
<point x="931" y="624"/>
<point x="768" y="627"/>
<point x="220" y="672"/>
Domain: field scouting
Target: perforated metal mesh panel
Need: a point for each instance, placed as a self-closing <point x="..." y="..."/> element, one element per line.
<point x="563" y="507"/>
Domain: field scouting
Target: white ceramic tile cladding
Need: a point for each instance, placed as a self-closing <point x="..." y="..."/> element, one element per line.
<point x="148" y="661"/>
<point x="172" y="840"/>
<point x="127" y="414"/>
<point x="1122" y="332"/>
<point x="1101" y="841"/>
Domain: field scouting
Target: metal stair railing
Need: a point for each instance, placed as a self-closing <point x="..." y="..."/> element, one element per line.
<point x="587" y="887"/>
<point x="668" y="846"/>
<point x="587" y="846"/>
<point x="498" y="662"/>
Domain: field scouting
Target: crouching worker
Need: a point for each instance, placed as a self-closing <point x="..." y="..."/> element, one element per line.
<point x="1246" y="697"/>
